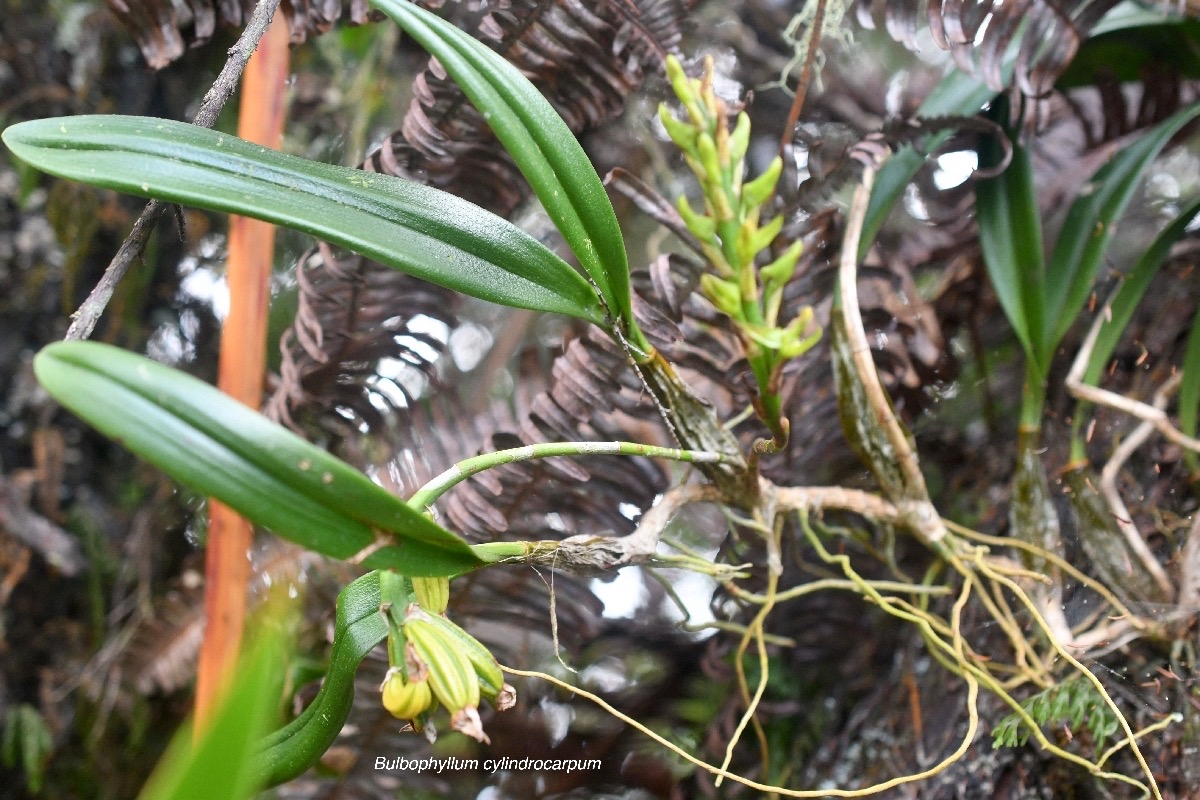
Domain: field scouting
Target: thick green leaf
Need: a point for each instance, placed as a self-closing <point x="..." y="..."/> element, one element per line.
<point x="541" y="144"/>
<point x="358" y="627"/>
<point x="1130" y="52"/>
<point x="422" y="231"/>
<point x="1091" y="222"/>
<point x="961" y="94"/>
<point x="958" y="94"/>
<point x="1124" y="303"/>
<point x="893" y="178"/>
<point x="217" y="765"/>
<point x="1010" y="235"/>
<point x="207" y="440"/>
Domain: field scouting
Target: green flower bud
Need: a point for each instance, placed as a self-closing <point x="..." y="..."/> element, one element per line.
<point x="706" y="152"/>
<point x="680" y="83"/>
<point x="739" y="139"/>
<point x="681" y="133"/>
<point x="704" y="227"/>
<point x="795" y="343"/>
<point x="724" y="294"/>
<point x="780" y="271"/>
<point x="759" y="190"/>
<point x="752" y="240"/>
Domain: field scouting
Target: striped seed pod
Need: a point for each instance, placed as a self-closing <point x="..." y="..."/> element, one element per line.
<point x="451" y="675"/>
<point x="487" y="669"/>
<point x="433" y="594"/>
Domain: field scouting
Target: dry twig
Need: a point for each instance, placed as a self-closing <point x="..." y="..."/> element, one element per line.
<point x="85" y="318"/>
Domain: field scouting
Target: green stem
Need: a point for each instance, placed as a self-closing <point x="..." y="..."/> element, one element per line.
<point x="430" y="492"/>
<point x="495" y="552"/>
<point x="633" y="341"/>
<point x="727" y="231"/>
<point x="1033" y="397"/>
<point x="1078" y="451"/>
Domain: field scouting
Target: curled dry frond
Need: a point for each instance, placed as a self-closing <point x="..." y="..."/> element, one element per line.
<point x="587" y="60"/>
<point x="163" y="32"/>
<point x="1043" y="36"/>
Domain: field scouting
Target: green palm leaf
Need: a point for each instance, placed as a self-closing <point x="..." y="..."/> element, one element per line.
<point x="205" y="439"/>
<point x="541" y="144"/>
<point x="422" y="231"/>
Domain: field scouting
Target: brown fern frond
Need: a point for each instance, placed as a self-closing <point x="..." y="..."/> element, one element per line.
<point x="163" y="34"/>
<point x="161" y="656"/>
<point x="587" y="60"/>
<point x="590" y="394"/>
<point x="1046" y="34"/>
<point x="1111" y="109"/>
<point x="352" y="313"/>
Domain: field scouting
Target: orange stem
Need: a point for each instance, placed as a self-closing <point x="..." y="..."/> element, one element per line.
<point x="240" y="371"/>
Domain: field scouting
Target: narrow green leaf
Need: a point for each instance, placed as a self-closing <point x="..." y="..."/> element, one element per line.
<point x="422" y="231"/>
<point x="958" y="94"/>
<point x="216" y="765"/>
<point x="1189" y="390"/>
<point x="541" y="144"/>
<point x="358" y="627"/>
<point x="890" y="183"/>
<point x="1090" y="224"/>
<point x="27" y="743"/>
<point x="1010" y="235"/>
<point x="1120" y="309"/>
<point x="1126" y="54"/>
<point x="205" y="439"/>
<point x="962" y="94"/>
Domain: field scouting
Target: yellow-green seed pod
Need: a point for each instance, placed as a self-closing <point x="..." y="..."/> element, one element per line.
<point x="433" y="594"/>
<point x="487" y="669"/>
<point x="451" y="675"/>
<point x="405" y="699"/>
